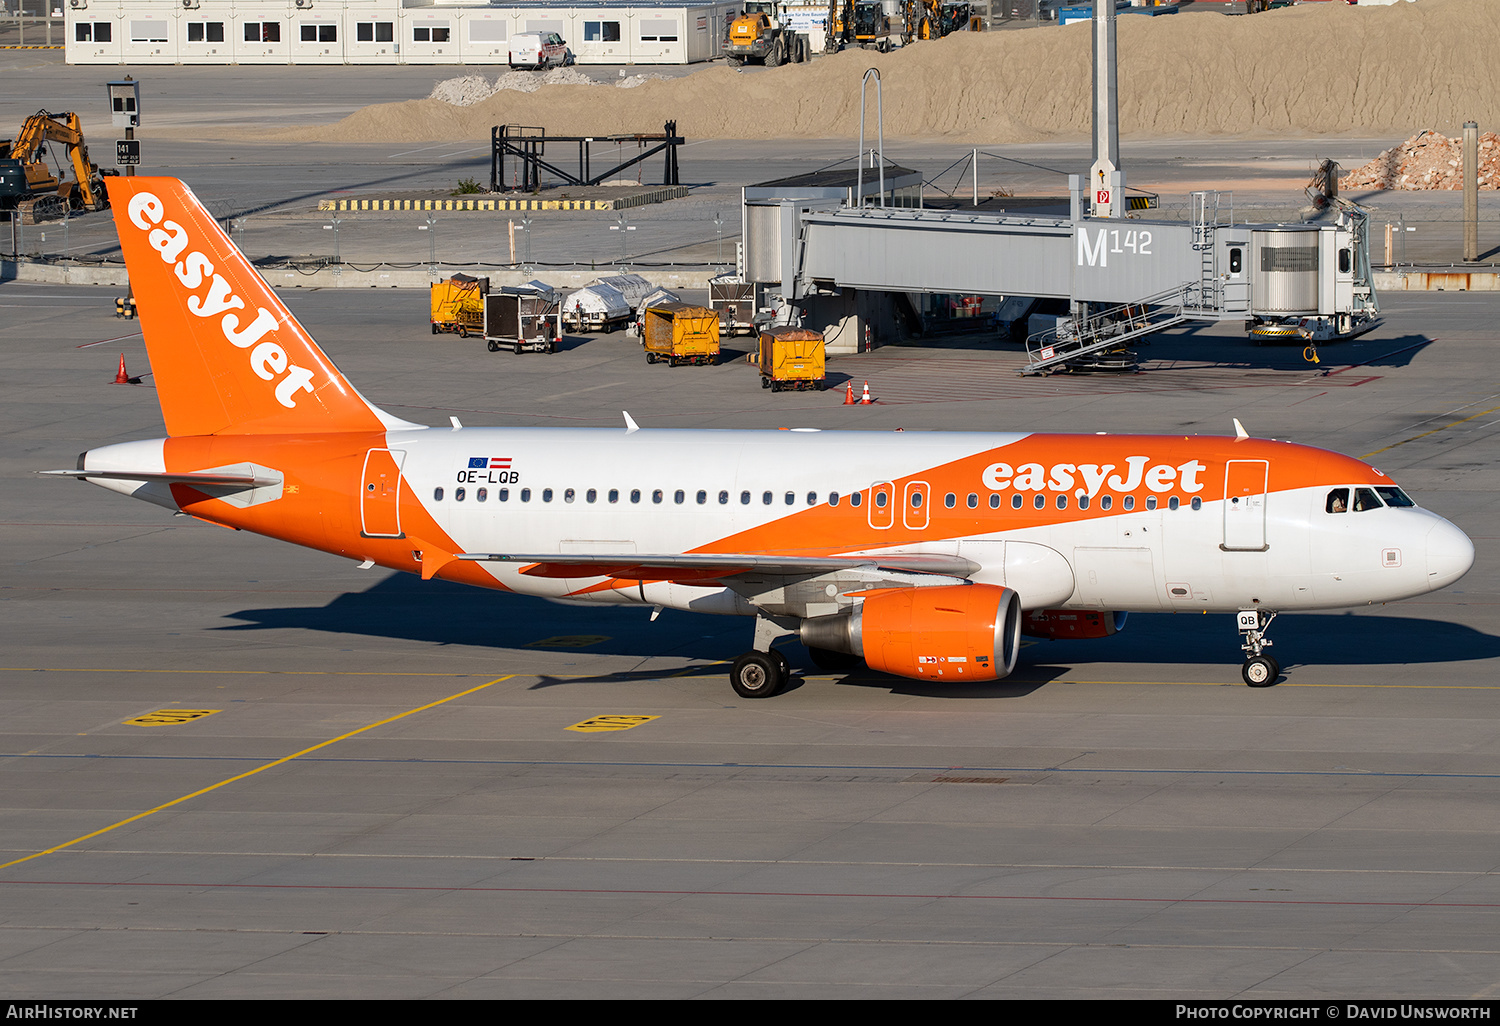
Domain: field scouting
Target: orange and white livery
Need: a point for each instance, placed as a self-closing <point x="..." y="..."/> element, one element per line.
<point x="924" y="554"/>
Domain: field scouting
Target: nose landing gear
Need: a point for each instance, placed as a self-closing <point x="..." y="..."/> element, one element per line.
<point x="1260" y="670"/>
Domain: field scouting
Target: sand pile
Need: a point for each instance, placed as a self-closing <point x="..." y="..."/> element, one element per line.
<point x="1311" y="70"/>
<point x="1428" y="160"/>
<point x="467" y="90"/>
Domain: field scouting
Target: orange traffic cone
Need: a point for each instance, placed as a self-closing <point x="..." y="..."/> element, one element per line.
<point x="122" y="377"/>
<point x="849" y="394"/>
<point x="865" y="399"/>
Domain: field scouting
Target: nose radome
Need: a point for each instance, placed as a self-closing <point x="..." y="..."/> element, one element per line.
<point x="1450" y="554"/>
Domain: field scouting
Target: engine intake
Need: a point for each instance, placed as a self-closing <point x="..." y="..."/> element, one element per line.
<point x="953" y="632"/>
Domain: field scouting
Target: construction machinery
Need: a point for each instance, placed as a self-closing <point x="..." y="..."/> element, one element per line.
<point x="934" y="19"/>
<point x="27" y="184"/>
<point x="762" y="33"/>
<point x="869" y="24"/>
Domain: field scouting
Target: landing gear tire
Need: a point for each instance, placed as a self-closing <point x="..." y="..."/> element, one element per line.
<point x="758" y="674"/>
<point x="1261" y="671"/>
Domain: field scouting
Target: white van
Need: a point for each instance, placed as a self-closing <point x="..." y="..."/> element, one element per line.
<point x="539" y="50"/>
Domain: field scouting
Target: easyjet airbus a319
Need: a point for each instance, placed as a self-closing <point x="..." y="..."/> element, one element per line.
<point x="927" y="555"/>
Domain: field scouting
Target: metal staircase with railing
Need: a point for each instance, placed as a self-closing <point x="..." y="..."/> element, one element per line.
<point x="1073" y="340"/>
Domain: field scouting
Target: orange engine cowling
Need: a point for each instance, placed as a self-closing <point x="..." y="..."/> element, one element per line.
<point x="952" y="632"/>
<point x="1072" y="623"/>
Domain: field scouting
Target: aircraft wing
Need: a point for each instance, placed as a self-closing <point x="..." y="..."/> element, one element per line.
<point x="187" y="478"/>
<point x="698" y="566"/>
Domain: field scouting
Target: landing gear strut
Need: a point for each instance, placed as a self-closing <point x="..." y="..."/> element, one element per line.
<point x="1260" y="670"/>
<point x="763" y="671"/>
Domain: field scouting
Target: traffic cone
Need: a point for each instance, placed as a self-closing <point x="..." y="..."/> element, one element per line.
<point x="865" y="399"/>
<point x="849" y="394"/>
<point x="122" y="377"/>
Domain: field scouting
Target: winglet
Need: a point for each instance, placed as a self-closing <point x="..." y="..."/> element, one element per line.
<point x="1239" y="429"/>
<point x="631" y="427"/>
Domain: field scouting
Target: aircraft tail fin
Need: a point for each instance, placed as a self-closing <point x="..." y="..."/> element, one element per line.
<point x="226" y="354"/>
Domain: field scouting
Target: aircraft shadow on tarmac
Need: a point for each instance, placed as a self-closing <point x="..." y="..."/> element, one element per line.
<point x="401" y="607"/>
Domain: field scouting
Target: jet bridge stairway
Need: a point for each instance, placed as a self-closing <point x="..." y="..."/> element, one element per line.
<point x="1073" y="340"/>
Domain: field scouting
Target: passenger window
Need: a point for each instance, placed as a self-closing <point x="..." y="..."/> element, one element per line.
<point x="744" y="498"/>
<point x="880" y="500"/>
<point x="1150" y="502"/>
<point x="1083" y="502"/>
<point x="950" y="500"/>
<point x="702" y="497"/>
<point x="614" y="495"/>
<point x="546" y="494"/>
<point x="458" y="495"/>
<point x="994" y="500"/>
<point x="1040" y="501"/>
<point x="856" y="499"/>
<point x="765" y="498"/>
<point x="1106" y="501"/>
<point x="916" y="500"/>
<point x="812" y="498"/>
<point x="591" y="495"/>
<point x="1129" y="502"/>
<point x="656" y="496"/>
<point x="525" y="494"/>
<point x="973" y="501"/>
<point x="833" y="498"/>
<point x="503" y="495"/>
<point x="1338" y="501"/>
<point x="635" y="495"/>
<point x="678" y="496"/>
<point x="791" y="498"/>
<point x="568" y="495"/>
<point x="481" y="495"/>
<point x="1364" y="499"/>
<point x="1016" y="500"/>
<point x="1197" y="502"/>
<point x="1173" y="502"/>
<point x="437" y="495"/>
<point x="723" y="498"/>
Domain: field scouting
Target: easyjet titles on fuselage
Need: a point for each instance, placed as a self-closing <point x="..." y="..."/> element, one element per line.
<point x="267" y="359"/>
<point x="1062" y="477"/>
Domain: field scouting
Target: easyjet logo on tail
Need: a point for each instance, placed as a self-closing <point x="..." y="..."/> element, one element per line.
<point x="267" y="359"/>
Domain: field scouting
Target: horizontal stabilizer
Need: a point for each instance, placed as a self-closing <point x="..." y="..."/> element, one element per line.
<point x="187" y="478"/>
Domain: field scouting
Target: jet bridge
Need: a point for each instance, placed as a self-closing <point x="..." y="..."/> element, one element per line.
<point x="1125" y="278"/>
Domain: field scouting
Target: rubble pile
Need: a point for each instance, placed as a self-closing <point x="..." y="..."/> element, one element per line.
<point x="1428" y="160"/>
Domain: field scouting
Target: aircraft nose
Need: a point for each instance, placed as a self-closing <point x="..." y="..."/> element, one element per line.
<point x="1450" y="553"/>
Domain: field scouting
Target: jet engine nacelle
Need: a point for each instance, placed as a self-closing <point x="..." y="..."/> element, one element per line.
<point x="955" y="632"/>
<point x="1072" y="623"/>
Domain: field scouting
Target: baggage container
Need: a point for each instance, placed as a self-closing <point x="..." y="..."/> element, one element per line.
<point x="733" y="299"/>
<point x="597" y="307"/>
<point x="523" y="318"/>
<point x="458" y="305"/>
<point x="791" y="358"/>
<point x="679" y="333"/>
<point x="633" y="287"/>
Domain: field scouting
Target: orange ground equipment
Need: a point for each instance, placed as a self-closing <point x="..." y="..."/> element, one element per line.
<point x="679" y="333"/>
<point x="791" y="358"/>
<point x="458" y="305"/>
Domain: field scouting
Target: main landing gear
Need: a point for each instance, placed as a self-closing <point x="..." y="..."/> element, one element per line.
<point x="1260" y="670"/>
<point x="763" y="671"/>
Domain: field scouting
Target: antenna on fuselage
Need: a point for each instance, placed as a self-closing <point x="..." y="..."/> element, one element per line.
<point x="1239" y="429"/>
<point x="631" y="427"/>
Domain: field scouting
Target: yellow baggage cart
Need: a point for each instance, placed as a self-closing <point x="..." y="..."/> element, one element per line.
<point x="791" y="358"/>
<point x="458" y="305"/>
<point x="679" y="333"/>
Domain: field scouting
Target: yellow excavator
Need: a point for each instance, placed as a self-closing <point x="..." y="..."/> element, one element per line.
<point x="27" y="184"/>
<point x="934" y="19"/>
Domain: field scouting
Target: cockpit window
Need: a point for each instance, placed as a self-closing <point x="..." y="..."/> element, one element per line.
<point x="1394" y="496"/>
<point x="1364" y="499"/>
<point x="1338" y="501"/>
